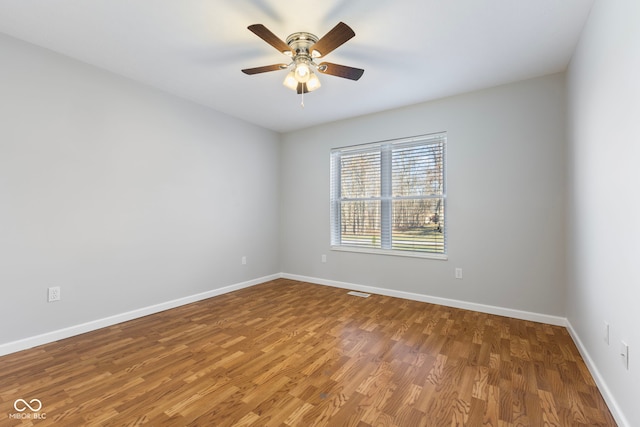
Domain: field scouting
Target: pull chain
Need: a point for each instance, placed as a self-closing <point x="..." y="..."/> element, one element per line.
<point x="302" y="98"/>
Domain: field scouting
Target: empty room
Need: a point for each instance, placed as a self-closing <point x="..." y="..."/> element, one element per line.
<point x="341" y="213"/>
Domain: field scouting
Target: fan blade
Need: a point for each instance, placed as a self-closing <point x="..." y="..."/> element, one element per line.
<point x="266" y="68"/>
<point x="336" y="37"/>
<point x="302" y="87"/>
<point x="340" y="70"/>
<point x="266" y="35"/>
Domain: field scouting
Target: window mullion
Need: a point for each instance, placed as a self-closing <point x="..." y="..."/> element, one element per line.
<point x="385" y="193"/>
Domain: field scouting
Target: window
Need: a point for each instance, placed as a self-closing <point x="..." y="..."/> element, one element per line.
<point x="389" y="197"/>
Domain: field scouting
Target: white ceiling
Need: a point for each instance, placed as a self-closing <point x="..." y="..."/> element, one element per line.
<point x="412" y="50"/>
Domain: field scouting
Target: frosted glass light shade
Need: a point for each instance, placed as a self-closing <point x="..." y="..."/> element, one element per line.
<point x="290" y="81"/>
<point x="313" y="83"/>
<point x="302" y="72"/>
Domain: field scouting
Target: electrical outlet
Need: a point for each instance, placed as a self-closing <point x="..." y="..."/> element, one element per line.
<point x="244" y="260"/>
<point x="324" y="258"/>
<point x="606" y="333"/>
<point x="624" y="354"/>
<point x="458" y="273"/>
<point x="54" y="293"/>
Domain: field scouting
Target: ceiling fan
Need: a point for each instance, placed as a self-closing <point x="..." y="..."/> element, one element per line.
<point x="304" y="48"/>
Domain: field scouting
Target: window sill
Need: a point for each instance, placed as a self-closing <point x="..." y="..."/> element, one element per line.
<point x="439" y="257"/>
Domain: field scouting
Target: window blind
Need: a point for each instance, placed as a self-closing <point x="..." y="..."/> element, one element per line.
<point x="390" y="195"/>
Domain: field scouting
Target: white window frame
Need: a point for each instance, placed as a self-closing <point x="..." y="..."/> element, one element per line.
<point x="385" y="148"/>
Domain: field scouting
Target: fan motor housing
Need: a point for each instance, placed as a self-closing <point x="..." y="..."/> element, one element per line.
<point x="300" y="42"/>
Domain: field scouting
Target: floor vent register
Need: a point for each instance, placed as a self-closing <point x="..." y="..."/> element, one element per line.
<point x="359" y="294"/>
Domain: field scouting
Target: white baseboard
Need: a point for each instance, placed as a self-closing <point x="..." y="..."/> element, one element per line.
<point x="600" y="382"/>
<point x="489" y="309"/>
<point x="30" y="342"/>
<point x="93" y="325"/>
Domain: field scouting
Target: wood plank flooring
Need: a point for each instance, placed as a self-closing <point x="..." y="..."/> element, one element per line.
<point x="287" y="353"/>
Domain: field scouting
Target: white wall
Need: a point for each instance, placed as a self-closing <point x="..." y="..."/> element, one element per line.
<point x="506" y="191"/>
<point x="604" y="244"/>
<point x="122" y="195"/>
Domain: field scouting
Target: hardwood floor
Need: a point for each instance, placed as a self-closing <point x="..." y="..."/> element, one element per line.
<point x="287" y="353"/>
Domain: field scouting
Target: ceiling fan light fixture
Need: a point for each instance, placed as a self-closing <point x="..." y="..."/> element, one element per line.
<point x="290" y="81"/>
<point x="302" y="71"/>
<point x="313" y="83"/>
<point x="303" y="48"/>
